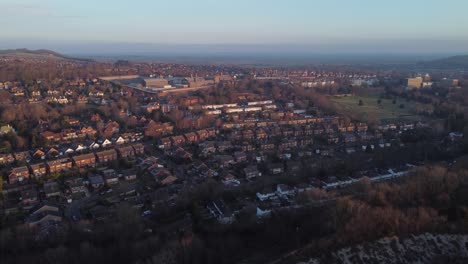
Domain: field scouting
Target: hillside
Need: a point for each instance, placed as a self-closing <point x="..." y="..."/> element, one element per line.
<point x="41" y="53"/>
<point x="425" y="248"/>
<point x="460" y="61"/>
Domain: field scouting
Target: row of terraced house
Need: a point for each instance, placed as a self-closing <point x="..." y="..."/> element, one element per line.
<point x="19" y="174"/>
<point x="191" y="137"/>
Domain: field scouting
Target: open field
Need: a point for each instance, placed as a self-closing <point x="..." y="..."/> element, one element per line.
<point x="384" y="112"/>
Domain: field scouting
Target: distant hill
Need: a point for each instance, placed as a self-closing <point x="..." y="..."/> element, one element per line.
<point x="38" y="53"/>
<point x="460" y="61"/>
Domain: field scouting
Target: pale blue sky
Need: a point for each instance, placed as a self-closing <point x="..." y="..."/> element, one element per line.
<point x="405" y="24"/>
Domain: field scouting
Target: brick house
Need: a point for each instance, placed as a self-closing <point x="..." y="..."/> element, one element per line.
<point x="191" y="137"/>
<point x="22" y="156"/>
<point x="85" y="160"/>
<point x="261" y="134"/>
<point x="76" y="185"/>
<point x="139" y="148"/>
<point x="251" y="172"/>
<point x="126" y="151"/>
<point x="178" y="140"/>
<point x="59" y="165"/>
<point x="166" y="142"/>
<point x="39" y="169"/>
<point x="240" y="156"/>
<point x="6" y="159"/>
<point x="18" y="174"/>
<point x="106" y="155"/>
<point x="202" y="134"/>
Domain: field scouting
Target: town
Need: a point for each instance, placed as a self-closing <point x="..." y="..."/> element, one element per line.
<point x="195" y="143"/>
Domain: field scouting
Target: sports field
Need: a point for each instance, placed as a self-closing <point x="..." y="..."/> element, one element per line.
<point x="371" y="110"/>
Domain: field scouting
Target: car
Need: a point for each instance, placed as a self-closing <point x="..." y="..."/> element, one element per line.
<point x="146" y="213"/>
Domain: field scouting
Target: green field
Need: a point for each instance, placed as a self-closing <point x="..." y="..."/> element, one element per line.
<point x="370" y="110"/>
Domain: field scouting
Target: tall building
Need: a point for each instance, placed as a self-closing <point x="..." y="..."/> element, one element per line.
<point x="447" y="83"/>
<point x="414" y="82"/>
<point x="427" y="77"/>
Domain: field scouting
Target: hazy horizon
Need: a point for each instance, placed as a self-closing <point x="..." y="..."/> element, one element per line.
<point x="208" y="26"/>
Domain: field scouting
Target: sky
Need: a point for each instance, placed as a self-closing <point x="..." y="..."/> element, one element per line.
<point x="326" y="26"/>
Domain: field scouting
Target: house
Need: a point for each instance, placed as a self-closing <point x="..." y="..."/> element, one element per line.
<point x="29" y="197"/>
<point x="208" y="147"/>
<point x="224" y="145"/>
<point x="6" y="159"/>
<point x="105" y="143"/>
<point x="224" y="160"/>
<point x="6" y="129"/>
<point x="365" y="136"/>
<point x="266" y="146"/>
<point x="39" y="169"/>
<point x="73" y="121"/>
<point x="349" y="138"/>
<point x="240" y="156"/>
<point x="51" y="189"/>
<point x="268" y="195"/>
<point x="219" y="211"/>
<point x="248" y="134"/>
<point x="166" y="142"/>
<point x="129" y="175"/>
<point x="251" y="172"/>
<point x="79" y="147"/>
<point x="59" y="165"/>
<point x="111" y="128"/>
<point x="69" y="134"/>
<point x="126" y="151"/>
<point x="211" y="132"/>
<point x="275" y="168"/>
<point x="361" y="127"/>
<point x="52" y="153"/>
<point x="87" y="131"/>
<point x="202" y="134"/>
<point x="287" y="144"/>
<point x="85" y="160"/>
<point x="177" y="140"/>
<point x="22" y="156"/>
<point x="191" y="137"/>
<point x="51" y="136"/>
<point x="247" y="147"/>
<point x="261" y="134"/>
<point x="168" y="180"/>
<point x="119" y="141"/>
<point x="110" y="177"/>
<point x="182" y="154"/>
<point x="230" y="179"/>
<point x="39" y="154"/>
<point x="76" y="185"/>
<point x="106" y="155"/>
<point x="96" y="181"/>
<point x="285" y="190"/>
<point x="154" y="129"/>
<point x="67" y="150"/>
<point x="139" y="148"/>
<point x="18" y="174"/>
<point x="44" y="214"/>
<point x="93" y="145"/>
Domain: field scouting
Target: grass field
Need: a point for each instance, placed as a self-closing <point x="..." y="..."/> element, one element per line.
<point x="370" y="110"/>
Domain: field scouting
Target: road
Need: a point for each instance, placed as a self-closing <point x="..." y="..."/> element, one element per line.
<point x="74" y="209"/>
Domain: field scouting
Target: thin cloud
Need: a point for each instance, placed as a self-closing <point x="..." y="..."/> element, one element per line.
<point x="32" y="9"/>
<point x="24" y="9"/>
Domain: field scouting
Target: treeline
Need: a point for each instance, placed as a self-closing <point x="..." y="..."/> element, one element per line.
<point x="433" y="199"/>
